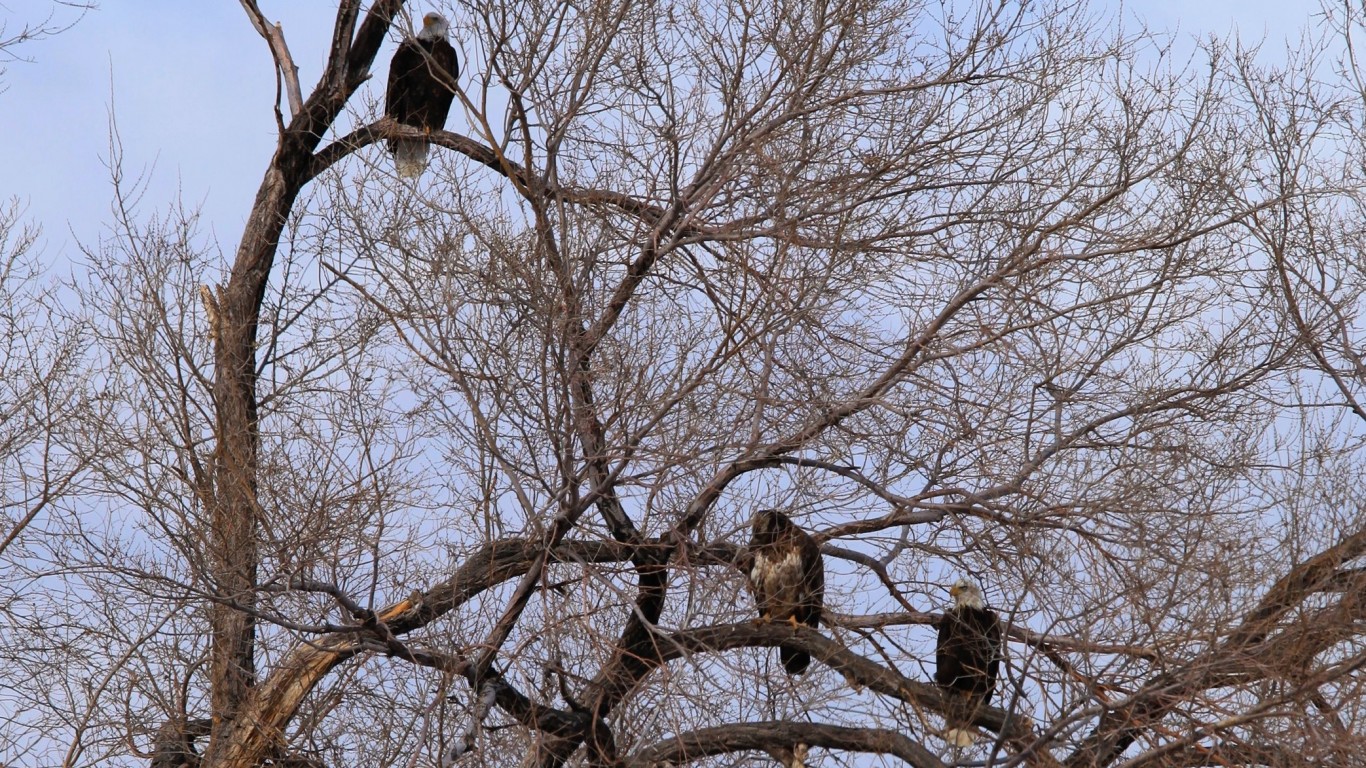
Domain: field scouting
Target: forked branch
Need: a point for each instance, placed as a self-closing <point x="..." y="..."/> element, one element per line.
<point x="285" y="67"/>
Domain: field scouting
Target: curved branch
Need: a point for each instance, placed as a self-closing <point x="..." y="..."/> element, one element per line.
<point x="234" y="510"/>
<point x="272" y="704"/>
<point x="386" y="128"/>
<point x="1225" y="754"/>
<point x="779" y="735"/>
<point x="855" y="668"/>
<point x="1017" y="632"/>
<point x="1254" y="650"/>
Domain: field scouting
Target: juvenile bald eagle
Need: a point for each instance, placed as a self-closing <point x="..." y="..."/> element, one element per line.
<point x="967" y="659"/>
<point x="421" y="87"/>
<point x="787" y="575"/>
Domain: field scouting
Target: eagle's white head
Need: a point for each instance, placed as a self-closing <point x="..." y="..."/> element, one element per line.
<point x="434" y="27"/>
<point x="965" y="594"/>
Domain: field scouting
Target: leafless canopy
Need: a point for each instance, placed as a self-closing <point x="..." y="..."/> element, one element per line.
<point x="456" y="472"/>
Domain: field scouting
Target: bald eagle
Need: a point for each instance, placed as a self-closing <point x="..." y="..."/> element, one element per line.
<point x="787" y="576"/>
<point x="422" y="79"/>
<point x="967" y="659"/>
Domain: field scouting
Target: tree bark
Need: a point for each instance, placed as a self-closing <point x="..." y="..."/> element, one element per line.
<point x="234" y="518"/>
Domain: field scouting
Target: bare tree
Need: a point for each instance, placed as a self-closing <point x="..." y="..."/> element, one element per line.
<point x="42" y="362"/>
<point x="458" y="470"/>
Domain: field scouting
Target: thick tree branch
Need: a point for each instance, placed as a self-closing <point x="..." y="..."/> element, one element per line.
<point x="273" y="703"/>
<point x="1254" y="650"/>
<point x="385" y="128"/>
<point x="234" y="509"/>
<point x="780" y="734"/>
<point x="1016" y="632"/>
<point x="857" y="669"/>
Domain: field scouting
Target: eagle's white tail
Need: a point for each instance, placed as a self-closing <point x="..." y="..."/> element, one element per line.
<point x="960" y="737"/>
<point x="410" y="157"/>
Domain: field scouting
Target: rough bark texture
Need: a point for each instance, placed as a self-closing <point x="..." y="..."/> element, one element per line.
<point x="235" y="509"/>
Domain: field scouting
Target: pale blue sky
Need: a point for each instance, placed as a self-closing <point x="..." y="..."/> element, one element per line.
<point x="191" y="86"/>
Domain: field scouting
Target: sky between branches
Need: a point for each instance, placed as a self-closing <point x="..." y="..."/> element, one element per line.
<point x="191" y="88"/>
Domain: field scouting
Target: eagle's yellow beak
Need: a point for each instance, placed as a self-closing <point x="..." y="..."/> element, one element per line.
<point x="428" y="20"/>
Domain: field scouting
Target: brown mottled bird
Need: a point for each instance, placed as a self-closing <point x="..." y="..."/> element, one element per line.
<point x="787" y="576"/>
<point x="967" y="659"/>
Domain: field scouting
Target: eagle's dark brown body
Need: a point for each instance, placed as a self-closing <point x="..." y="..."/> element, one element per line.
<point x="967" y="658"/>
<point x="422" y="77"/>
<point x="787" y="576"/>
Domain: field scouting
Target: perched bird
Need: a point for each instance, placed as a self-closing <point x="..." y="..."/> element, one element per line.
<point x="790" y="757"/>
<point x="422" y="78"/>
<point x="787" y="576"/>
<point x="967" y="659"/>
